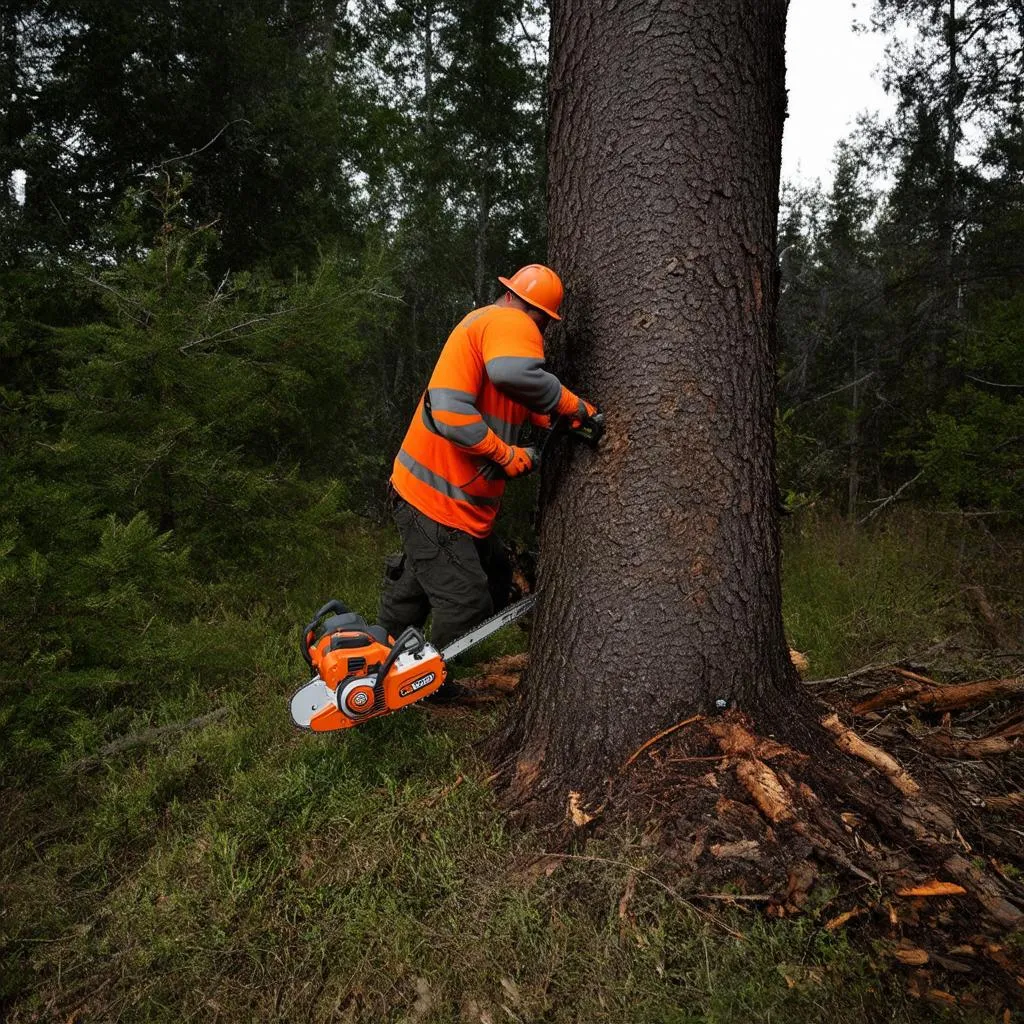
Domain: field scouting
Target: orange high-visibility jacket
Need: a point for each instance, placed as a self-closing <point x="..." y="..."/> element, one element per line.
<point x="488" y="379"/>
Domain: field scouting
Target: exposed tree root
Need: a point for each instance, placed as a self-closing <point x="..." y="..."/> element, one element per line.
<point x="848" y="740"/>
<point x="931" y="818"/>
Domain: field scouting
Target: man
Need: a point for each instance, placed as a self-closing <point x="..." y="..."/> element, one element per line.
<point x="458" y="452"/>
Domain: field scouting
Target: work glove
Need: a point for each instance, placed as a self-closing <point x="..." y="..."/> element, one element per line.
<point x="542" y="420"/>
<point x="584" y="411"/>
<point x="520" y="461"/>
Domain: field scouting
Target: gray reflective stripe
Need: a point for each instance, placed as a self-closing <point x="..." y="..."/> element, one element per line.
<point x="431" y="479"/>
<point x="463" y="434"/>
<point x="525" y="379"/>
<point x="451" y="400"/>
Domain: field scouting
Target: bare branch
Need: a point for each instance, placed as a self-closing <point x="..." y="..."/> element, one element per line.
<point x="885" y="502"/>
<point x="175" y="159"/>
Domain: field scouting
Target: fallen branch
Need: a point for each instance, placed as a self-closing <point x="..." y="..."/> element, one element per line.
<point x="847" y="740"/>
<point x="962" y="695"/>
<point x="1012" y="726"/>
<point x="985" y="890"/>
<point x="147" y="736"/>
<point x="989" y="746"/>
<point x="873" y="670"/>
<point x="934" y="696"/>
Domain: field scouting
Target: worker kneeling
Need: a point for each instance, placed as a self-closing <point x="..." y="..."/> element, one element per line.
<point x="459" y="450"/>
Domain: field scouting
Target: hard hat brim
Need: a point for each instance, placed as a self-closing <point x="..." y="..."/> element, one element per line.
<point x="536" y="305"/>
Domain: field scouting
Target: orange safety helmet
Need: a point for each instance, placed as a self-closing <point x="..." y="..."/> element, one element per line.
<point x="538" y="285"/>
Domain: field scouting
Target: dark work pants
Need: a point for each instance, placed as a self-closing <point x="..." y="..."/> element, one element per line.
<point x="461" y="579"/>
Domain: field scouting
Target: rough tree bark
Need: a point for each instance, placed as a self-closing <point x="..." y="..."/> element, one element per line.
<point x="660" y="553"/>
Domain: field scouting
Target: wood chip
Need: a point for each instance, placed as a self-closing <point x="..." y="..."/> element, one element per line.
<point x="579" y="816"/>
<point x="737" y="741"/>
<point x="911" y="956"/>
<point x="800" y="661"/>
<point x="766" y="789"/>
<point x="744" y="849"/>
<point x="841" y="919"/>
<point x="935" y="888"/>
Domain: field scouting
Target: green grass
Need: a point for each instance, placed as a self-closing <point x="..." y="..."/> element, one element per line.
<point x="248" y="873"/>
<point x="859" y="597"/>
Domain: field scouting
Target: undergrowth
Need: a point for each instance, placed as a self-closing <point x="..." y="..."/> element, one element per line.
<point x="245" y="872"/>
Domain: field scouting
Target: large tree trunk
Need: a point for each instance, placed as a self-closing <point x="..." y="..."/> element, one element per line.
<point x="660" y="553"/>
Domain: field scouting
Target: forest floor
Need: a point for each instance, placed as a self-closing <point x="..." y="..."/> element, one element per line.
<point x="222" y="867"/>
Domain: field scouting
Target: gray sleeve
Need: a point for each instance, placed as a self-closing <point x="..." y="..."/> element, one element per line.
<point x="524" y="379"/>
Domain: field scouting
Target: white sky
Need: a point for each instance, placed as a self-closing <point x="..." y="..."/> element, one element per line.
<point x="830" y="74"/>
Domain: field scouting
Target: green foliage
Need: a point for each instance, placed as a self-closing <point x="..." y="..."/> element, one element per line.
<point x="243" y="94"/>
<point x="173" y="453"/>
<point x="901" y="354"/>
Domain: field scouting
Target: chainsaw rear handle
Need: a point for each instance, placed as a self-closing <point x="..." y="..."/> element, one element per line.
<point x="332" y="606"/>
<point x="410" y="641"/>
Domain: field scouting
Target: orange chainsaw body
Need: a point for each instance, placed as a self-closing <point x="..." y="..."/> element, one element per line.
<point x="366" y="672"/>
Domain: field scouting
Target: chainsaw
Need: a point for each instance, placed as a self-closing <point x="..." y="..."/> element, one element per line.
<point x="362" y="673"/>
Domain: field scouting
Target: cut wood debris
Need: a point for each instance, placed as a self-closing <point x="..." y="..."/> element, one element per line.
<point x="848" y="740"/>
<point x="917" y="808"/>
<point x="934" y="889"/>
<point x="840" y="919"/>
<point x="933" y="696"/>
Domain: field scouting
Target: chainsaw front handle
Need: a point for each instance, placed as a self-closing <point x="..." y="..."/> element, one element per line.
<point x="410" y="641"/>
